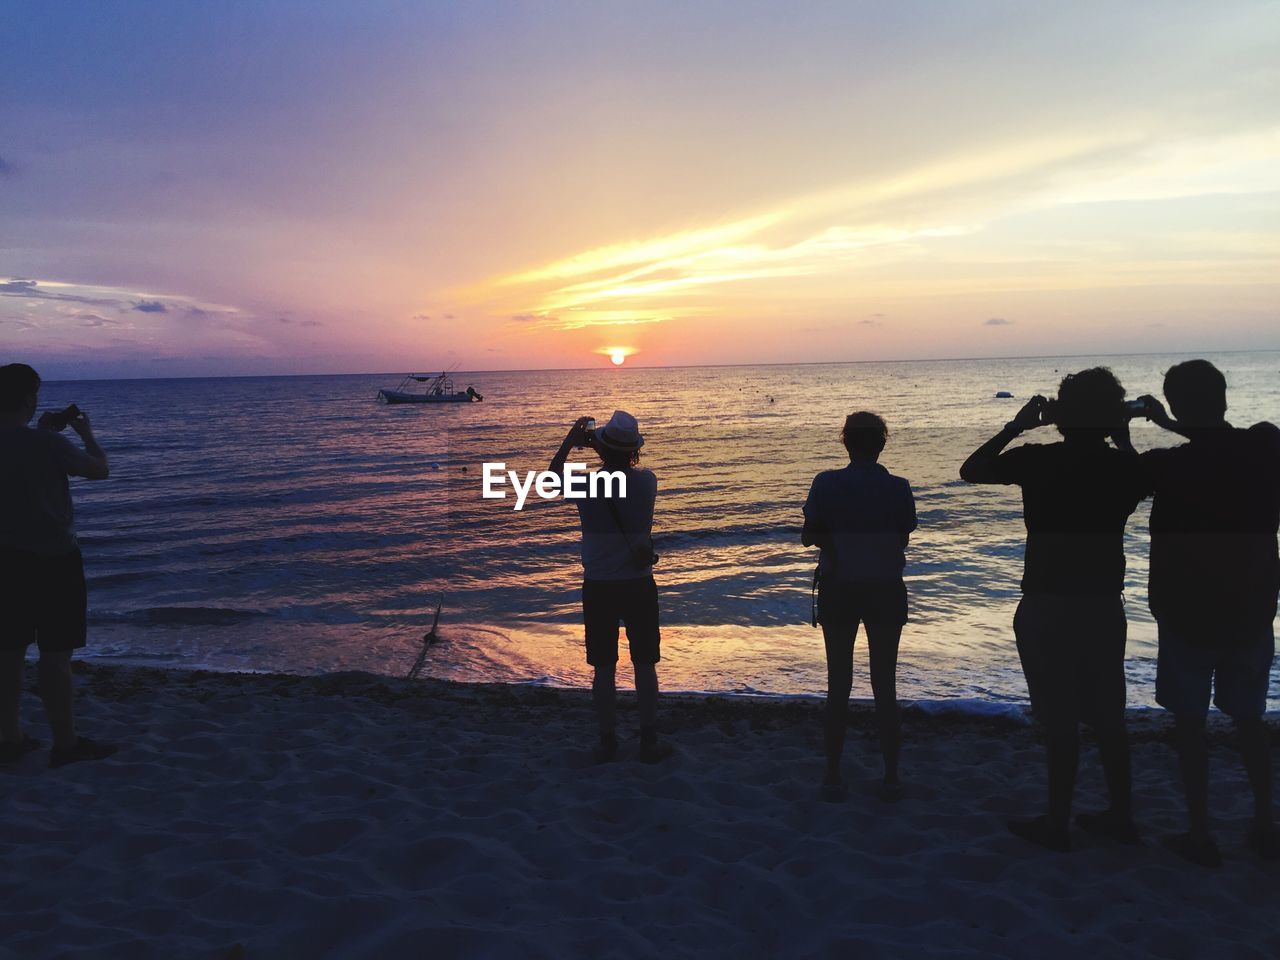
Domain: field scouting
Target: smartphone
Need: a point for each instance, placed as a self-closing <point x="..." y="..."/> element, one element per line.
<point x="1135" y="408"/>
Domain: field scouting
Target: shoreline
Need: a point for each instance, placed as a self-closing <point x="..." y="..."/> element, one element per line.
<point x="1016" y="713"/>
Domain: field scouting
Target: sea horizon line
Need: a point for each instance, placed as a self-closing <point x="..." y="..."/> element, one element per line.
<point x="426" y="371"/>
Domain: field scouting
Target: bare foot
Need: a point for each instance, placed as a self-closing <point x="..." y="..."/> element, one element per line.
<point x="834" y="791"/>
<point x="1040" y="832"/>
<point x="1199" y="850"/>
<point x="1109" y="825"/>
<point x="891" y="791"/>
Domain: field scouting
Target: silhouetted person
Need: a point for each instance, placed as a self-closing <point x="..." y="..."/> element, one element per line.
<point x="1214" y="578"/>
<point x="861" y="517"/>
<point x="42" y="588"/>
<point x="1070" y="625"/>
<point x="618" y="585"/>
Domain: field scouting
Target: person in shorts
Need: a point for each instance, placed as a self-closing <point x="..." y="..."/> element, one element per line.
<point x="860" y="517"/>
<point x="1070" y="625"/>
<point x="1215" y="573"/>
<point x="42" y="587"/>
<point x="618" y="585"/>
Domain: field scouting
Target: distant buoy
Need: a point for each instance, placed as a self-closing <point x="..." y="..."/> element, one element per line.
<point x="1003" y="395"/>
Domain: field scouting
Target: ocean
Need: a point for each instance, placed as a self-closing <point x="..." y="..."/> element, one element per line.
<point x="295" y="524"/>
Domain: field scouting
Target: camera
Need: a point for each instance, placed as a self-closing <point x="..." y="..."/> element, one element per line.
<point x="57" y="420"/>
<point x="1048" y="411"/>
<point x="590" y="431"/>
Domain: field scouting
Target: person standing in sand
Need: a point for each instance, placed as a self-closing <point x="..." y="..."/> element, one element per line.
<point x="861" y="517"/>
<point x="618" y="584"/>
<point x="1070" y="626"/>
<point x="1215" y="572"/>
<point x="42" y="588"/>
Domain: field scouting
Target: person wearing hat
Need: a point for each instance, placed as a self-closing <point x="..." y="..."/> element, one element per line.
<point x="617" y="584"/>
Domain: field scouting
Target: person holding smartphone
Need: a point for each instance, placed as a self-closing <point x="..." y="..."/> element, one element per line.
<point x="42" y="586"/>
<point x="618" y="585"/>
<point x="1215" y="573"/>
<point x="1077" y="495"/>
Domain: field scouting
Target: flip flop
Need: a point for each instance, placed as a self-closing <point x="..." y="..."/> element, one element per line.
<point x="13" y="752"/>
<point x="84" y="749"/>
<point x="1106" y="825"/>
<point x="1203" y="853"/>
<point x="606" y="750"/>
<point x="655" y="752"/>
<point x="1265" y="842"/>
<point x="891" y="792"/>
<point x="1039" y="832"/>
<point x="834" y="792"/>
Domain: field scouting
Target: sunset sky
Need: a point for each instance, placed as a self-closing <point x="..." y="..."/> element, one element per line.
<point x="300" y="187"/>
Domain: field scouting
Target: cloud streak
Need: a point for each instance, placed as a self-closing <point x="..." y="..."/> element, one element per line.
<point x="843" y="233"/>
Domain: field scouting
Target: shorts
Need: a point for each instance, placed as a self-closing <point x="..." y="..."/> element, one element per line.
<point x="1072" y="652"/>
<point x="851" y="602"/>
<point x="633" y="602"/>
<point x="1238" y="675"/>
<point x="42" y="600"/>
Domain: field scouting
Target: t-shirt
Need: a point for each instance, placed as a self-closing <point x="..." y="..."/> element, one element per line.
<point x="35" y="499"/>
<point x="867" y="512"/>
<point x="1076" y="499"/>
<point x="606" y="548"/>
<point x="1214" y="516"/>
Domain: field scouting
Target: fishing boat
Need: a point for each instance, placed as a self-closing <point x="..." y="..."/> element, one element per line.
<point x="439" y="389"/>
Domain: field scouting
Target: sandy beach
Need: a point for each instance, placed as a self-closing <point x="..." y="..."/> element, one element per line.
<point x="357" y="816"/>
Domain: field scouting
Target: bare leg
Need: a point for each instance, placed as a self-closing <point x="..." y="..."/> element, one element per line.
<point x="839" y="642"/>
<point x="647" y="694"/>
<point x="604" y="695"/>
<point x="57" y="694"/>
<point x="13" y="665"/>
<point x="1063" y="752"/>
<point x="882" y="642"/>
<point x="1193" y="759"/>
<point x="1113" y="744"/>
<point x="1255" y="750"/>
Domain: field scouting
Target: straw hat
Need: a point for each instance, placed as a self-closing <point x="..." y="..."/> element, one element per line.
<point x="621" y="432"/>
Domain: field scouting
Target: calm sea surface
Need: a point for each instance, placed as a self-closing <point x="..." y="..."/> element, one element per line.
<point x="295" y="524"/>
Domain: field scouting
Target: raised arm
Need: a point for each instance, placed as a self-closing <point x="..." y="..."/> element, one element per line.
<point x="91" y="462"/>
<point x="981" y="465"/>
<point x="577" y="437"/>
<point x="1158" y="415"/>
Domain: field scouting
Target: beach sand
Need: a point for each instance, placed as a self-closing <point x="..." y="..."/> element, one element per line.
<point x="358" y="816"/>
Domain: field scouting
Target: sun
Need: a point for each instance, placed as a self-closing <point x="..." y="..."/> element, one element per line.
<point x="617" y="355"/>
